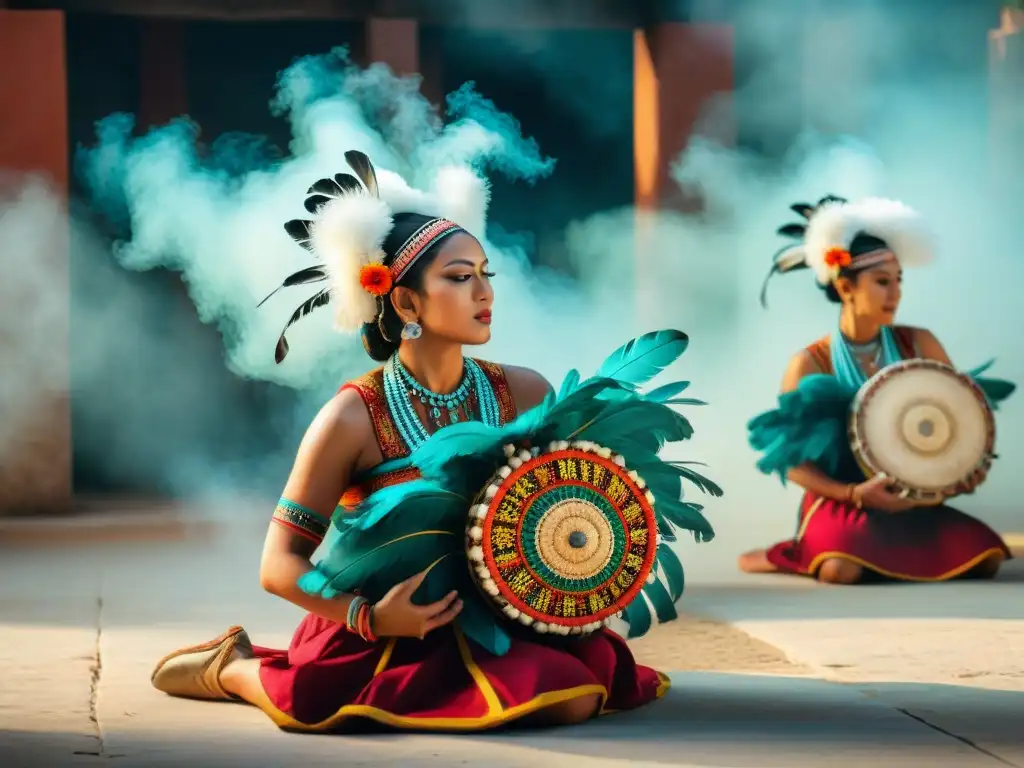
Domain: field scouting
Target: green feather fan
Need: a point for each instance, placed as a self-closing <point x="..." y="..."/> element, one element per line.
<point x="404" y="529"/>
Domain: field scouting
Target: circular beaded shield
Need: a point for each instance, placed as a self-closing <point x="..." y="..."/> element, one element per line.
<point x="563" y="540"/>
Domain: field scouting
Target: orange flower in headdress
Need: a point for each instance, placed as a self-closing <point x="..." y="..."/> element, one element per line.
<point x="837" y="258"/>
<point x="375" y="279"/>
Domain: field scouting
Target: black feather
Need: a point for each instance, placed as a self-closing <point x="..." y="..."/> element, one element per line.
<point x="764" y="286"/>
<point x="318" y="300"/>
<point x="803" y="209"/>
<point x="323" y="187"/>
<point x="792" y="230"/>
<point x="341" y="184"/>
<point x="777" y="268"/>
<point x="307" y="275"/>
<point x="348" y="183"/>
<point x="361" y="164"/>
<point x="298" y="230"/>
<point x="831" y="199"/>
<point x="313" y="202"/>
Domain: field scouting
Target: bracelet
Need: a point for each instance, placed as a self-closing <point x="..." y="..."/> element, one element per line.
<point x="352" y="616"/>
<point x="855" y="497"/>
<point x="359" y="619"/>
<point x="365" y="630"/>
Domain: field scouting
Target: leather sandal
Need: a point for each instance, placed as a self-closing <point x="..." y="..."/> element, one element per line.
<point x="195" y="672"/>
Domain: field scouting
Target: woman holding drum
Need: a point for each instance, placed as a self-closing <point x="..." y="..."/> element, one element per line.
<point x="873" y="422"/>
<point x="406" y="269"/>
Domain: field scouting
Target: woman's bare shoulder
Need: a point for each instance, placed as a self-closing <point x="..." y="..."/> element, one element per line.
<point x="917" y="333"/>
<point x="336" y="444"/>
<point x="528" y="387"/>
<point x="802" y="364"/>
<point x="926" y="344"/>
<point x="342" y="424"/>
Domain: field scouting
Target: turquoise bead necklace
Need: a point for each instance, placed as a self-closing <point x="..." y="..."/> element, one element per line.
<point x="400" y="387"/>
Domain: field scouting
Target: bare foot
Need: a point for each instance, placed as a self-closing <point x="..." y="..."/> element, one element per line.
<point x="835" y="570"/>
<point x="756" y="561"/>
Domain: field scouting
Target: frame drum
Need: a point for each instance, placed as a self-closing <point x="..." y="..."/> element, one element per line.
<point x="923" y="424"/>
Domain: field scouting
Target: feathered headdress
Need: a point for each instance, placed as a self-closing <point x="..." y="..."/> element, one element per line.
<point x="441" y="522"/>
<point x="841" y="235"/>
<point x="349" y="235"/>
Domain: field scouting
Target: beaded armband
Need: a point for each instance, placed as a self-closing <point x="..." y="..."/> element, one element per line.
<point x="303" y="521"/>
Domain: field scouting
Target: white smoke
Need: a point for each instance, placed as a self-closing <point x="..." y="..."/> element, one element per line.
<point x="920" y="135"/>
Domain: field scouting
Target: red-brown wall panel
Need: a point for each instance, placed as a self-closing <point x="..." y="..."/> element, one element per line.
<point x="35" y="442"/>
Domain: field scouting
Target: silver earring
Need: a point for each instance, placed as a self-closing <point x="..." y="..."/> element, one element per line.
<point x="412" y="330"/>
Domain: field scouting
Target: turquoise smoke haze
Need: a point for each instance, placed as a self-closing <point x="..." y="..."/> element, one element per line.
<point x="215" y="216"/>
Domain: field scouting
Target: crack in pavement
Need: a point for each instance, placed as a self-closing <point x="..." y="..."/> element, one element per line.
<point x="958" y="737"/>
<point x="96" y="671"/>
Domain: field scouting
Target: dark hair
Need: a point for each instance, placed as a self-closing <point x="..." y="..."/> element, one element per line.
<point x="381" y="339"/>
<point x="861" y="244"/>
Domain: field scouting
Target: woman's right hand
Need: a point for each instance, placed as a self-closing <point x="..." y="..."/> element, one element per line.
<point x="875" y="494"/>
<point x="397" y="616"/>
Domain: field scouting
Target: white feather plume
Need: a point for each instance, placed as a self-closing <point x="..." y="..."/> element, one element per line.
<point x="463" y="197"/>
<point x="401" y="198"/>
<point x="347" y="235"/>
<point x="835" y="225"/>
<point x="903" y="228"/>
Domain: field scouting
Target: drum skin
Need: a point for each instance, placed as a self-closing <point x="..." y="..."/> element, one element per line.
<point x="923" y="424"/>
<point x="562" y="540"/>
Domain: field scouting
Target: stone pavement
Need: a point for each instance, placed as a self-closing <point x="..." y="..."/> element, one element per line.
<point x="890" y="675"/>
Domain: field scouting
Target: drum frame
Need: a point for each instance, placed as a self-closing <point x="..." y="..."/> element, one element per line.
<point x="866" y="459"/>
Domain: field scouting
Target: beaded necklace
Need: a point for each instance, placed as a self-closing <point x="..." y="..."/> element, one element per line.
<point x="849" y="369"/>
<point x="400" y="387"/>
<point x="434" y="402"/>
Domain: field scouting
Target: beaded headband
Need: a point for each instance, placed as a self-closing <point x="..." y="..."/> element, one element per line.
<point x="421" y="240"/>
<point x="354" y="216"/>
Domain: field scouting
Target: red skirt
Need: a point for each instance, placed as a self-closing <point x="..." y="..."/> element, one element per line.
<point x="329" y="677"/>
<point x="925" y="544"/>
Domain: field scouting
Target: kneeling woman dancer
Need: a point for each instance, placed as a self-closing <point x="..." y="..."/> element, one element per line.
<point x="851" y="529"/>
<point x="404" y="269"/>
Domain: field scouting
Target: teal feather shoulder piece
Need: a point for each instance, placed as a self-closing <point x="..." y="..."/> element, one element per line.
<point x="602" y="431"/>
<point x="996" y="390"/>
<point x="809" y="425"/>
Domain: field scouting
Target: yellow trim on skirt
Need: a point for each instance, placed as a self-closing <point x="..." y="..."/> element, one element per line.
<point x="497" y="714"/>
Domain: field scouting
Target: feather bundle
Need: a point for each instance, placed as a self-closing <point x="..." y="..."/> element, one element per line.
<point x="409" y="527"/>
